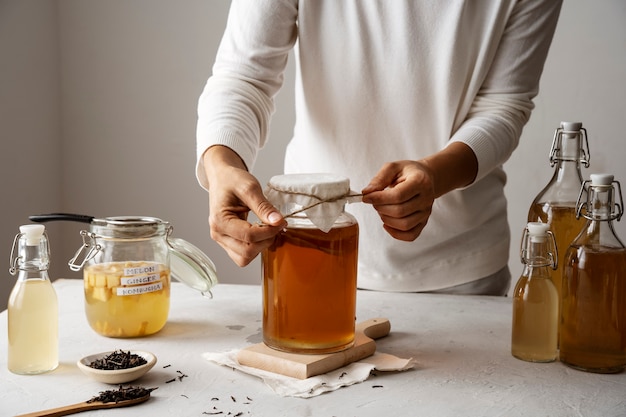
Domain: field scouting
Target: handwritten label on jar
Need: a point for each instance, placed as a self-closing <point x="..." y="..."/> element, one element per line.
<point x="143" y="269"/>
<point x="138" y="280"/>
<point x="140" y="289"/>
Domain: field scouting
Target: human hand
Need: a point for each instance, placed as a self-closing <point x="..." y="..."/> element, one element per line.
<point x="234" y="192"/>
<point x="402" y="193"/>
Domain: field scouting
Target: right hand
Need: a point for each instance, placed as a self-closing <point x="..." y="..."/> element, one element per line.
<point x="234" y="192"/>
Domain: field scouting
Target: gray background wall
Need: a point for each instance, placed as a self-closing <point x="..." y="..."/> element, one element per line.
<point x="98" y="110"/>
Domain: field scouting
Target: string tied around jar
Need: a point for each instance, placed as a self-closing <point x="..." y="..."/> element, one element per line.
<point x="321" y="197"/>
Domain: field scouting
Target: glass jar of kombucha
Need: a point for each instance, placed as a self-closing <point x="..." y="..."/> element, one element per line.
<point x="310" y="271"/>
<point x="127" y="266"/>
<point x="593" y="303"/>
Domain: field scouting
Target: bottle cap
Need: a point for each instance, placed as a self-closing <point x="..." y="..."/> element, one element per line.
<point x="570" y="146"/>
<point x="538" y="228"/>
<point x="33" y="233"/>
<point x="571" y="126"/>
<point x="601" y="179"/>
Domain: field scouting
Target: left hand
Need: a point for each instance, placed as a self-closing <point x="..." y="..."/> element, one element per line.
<point x="402" y="193"/>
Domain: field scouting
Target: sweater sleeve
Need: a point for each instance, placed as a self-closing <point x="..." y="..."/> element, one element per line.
<point x="237" y="102"/>
<point x="504" y="101"/>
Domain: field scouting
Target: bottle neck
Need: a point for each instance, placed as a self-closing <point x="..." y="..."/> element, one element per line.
<point x="570" y="146"/>
<point x="537" y="253"/>
<point x="30" y="261"/>
<point x="567" y="158"/>
<point x="601" y="203"/>
<point x="568" y="171"/>
<point x="26" y="275"/>
<point x="600" y="213"/>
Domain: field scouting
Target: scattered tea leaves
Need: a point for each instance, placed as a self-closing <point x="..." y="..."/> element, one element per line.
<point x="180" y="377"/>
<point x="216" y="411"/>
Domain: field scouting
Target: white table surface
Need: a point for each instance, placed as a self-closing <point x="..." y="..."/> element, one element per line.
<point x="461" y="345"/>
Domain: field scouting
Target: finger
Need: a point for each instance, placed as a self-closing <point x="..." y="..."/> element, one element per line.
<point x="408" y="210"/>
<point x="400" y="191"/>
<point x="245" y="247"/>
<point x="405" y="223"/>
<point x="269" y="215"/>
<point x="384" y="178"/>
<point x="251" y="196"/>
<point x="405" y="235"/>
<point x="242" y="231"/>
<point x="243" y="253"/>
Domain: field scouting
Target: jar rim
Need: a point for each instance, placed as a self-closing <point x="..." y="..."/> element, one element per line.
<point x="129" y="227"/>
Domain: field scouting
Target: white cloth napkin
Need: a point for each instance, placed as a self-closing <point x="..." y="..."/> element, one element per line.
<point x="287" y="386"/>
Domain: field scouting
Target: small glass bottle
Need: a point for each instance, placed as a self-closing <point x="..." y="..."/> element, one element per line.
<point x="33" y="346"/>
<point x="535" y="299"/>
<point x="556" y="203"/>
<point x="310" y="271"/>
<point x="593" y="300"/>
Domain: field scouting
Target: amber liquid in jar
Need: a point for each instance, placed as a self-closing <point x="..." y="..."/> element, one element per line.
<point x="593" y="322"/>
<point x="565" y="227"/>
<point x="127" y="299"/>
<point x="309" y="290"/>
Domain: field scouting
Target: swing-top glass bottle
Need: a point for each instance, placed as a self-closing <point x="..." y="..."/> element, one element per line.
<point x="556" y="203"/>
<point x="593" y="301"/>
<point x="33" y="307"/>
<point x="535" y="298"/>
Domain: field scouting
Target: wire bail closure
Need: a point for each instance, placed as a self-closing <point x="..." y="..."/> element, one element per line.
<point x="89" y="249"/>
<point x="617" y="207"/>
<point x="553" y="254"/>
<point x="556" y="147"/>
<point x="14" y="260"/>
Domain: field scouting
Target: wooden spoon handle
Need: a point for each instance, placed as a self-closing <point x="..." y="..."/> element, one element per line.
<point x="64" y="411"/>
<point x="84" y="406"/>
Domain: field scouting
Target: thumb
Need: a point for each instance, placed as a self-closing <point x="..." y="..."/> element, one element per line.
<point x="268" y="214"/>
<point x="383" y="179"/>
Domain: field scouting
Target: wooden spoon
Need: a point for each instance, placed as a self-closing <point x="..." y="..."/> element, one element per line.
<point x="85" y="406"/>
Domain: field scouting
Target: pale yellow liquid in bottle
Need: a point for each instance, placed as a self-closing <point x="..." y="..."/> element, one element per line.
<point x="565" y="227"/>
<point x="535" y="319"/>
<point x="33" y="328"/>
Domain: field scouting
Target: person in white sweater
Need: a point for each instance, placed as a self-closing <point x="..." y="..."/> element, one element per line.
<point x="418" y="103"/>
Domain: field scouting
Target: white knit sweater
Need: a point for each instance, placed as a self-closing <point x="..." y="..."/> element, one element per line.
<point x="387" y="80"/>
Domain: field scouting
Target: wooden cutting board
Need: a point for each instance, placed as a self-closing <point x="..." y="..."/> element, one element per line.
<point x="303" y="366"/>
